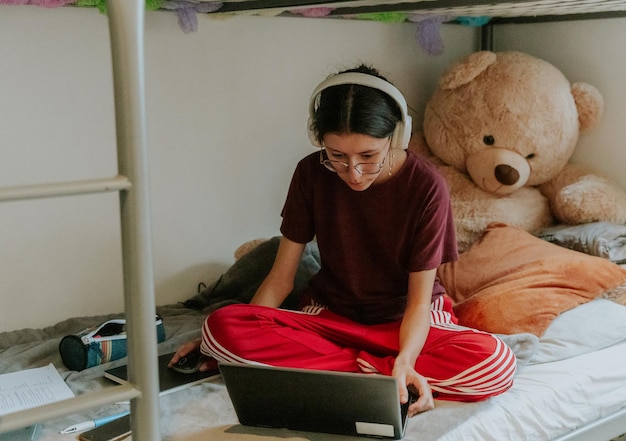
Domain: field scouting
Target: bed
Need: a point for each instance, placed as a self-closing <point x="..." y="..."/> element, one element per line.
<point x="590" y="402"/>
<point x="570" y="381"/>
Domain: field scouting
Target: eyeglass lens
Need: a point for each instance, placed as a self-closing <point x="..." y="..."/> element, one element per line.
<point x="363" y="168"/>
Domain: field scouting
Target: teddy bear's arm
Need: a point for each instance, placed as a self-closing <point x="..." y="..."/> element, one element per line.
<point x="474" y="209"/>
<point x="578" y="196"/>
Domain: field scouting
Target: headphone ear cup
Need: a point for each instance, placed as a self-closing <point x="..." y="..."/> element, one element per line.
<point x="312" y="134"/>
<point x="402" y="134"/>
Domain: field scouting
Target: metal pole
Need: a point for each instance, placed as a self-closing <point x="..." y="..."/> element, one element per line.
<point x="126" y="23"/>
<point x="486" y="37"/>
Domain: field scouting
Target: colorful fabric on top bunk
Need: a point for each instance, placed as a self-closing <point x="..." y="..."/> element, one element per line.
<point x="428" y="19"/>
<point x="427" y="30"/>
<point x="185" y="9"/>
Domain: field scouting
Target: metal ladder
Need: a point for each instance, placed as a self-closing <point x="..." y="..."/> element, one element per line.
<point x="126" y="28"/>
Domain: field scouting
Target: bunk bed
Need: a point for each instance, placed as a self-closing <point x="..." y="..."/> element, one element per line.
<point x="590" y="402"/>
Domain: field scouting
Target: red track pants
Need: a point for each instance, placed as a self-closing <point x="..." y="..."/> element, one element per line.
<point x="460" y="364"/>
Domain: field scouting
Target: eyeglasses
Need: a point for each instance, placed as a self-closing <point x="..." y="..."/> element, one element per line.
<point x="364" y="168"/>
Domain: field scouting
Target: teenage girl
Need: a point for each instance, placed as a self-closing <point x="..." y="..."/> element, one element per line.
<point x="382" y="219"/>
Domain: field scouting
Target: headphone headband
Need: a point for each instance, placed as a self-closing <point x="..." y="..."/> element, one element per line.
<point x="402" y="132"/>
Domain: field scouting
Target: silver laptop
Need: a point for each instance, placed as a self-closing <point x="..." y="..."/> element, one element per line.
<point x="316" y="401"/>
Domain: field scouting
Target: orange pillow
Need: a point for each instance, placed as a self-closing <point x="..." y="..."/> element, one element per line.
<point x="510" y="281"/>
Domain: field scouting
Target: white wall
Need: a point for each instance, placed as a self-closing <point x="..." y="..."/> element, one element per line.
<point x="226" y="124"/>
<point x="591" y="51"/>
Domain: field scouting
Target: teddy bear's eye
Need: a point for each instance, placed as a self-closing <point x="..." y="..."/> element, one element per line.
<point x="531" y="156"/>
<point x="488" y="139"/>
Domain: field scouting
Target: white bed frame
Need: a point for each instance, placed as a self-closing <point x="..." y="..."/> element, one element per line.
<point x="126" y="25"/>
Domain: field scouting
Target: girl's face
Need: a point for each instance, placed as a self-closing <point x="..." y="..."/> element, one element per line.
<point x="353" y="149"/>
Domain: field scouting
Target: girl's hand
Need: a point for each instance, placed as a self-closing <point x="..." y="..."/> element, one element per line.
<point x="408" y="378"/>
<point x="206" y="364"/>
<point x="185" y="349"/>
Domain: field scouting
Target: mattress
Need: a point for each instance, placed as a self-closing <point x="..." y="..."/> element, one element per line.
<point x="551" y="399"/>
<point x="547" y="400"/>
<point x="574" y="375"/>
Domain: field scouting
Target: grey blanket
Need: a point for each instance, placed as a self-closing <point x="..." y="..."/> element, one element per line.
<point x="242" y="279"/>
<point x="600" y="239"/>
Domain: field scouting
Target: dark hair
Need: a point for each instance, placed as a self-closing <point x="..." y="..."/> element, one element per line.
<point x="353" y="108"/>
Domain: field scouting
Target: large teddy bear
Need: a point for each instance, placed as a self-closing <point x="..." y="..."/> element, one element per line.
<point x="502" y="127"/>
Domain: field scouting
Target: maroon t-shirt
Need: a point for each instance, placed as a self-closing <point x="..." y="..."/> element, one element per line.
<point x="369" y="241"/>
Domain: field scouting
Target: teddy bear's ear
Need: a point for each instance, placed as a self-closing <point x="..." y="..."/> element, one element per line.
<point x="466" y="70"/>
<point x="590" y="104"/>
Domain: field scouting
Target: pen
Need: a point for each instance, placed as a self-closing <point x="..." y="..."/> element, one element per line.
<point x="79" y="427"/>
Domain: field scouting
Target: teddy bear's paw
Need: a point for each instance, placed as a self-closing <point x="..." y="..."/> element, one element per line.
<point x="590" y="199"/>
<point x="475" y="210"/>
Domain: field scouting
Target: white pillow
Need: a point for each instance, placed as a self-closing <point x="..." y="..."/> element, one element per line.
<point x="586" y="328"/>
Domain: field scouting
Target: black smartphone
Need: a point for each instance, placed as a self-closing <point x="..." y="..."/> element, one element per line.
<point x="189" y="363"/>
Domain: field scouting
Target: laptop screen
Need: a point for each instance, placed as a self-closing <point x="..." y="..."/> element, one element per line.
<point x="315" y="401"/>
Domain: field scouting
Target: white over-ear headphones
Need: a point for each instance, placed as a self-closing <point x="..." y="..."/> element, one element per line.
<point x="402" y="133"/>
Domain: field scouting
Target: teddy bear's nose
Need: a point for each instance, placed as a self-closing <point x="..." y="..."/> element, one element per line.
<point x="506" y="175"/>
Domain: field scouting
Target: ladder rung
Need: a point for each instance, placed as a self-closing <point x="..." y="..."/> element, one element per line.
<point x="116" y="183"/>
<point x="27" y="417"/>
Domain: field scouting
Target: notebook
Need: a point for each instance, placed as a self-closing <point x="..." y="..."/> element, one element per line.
<point x="316" y="401"/>
<point x="169" y="380"/>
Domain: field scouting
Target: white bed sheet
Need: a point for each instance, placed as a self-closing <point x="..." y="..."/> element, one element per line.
<point x="548" y="400"/>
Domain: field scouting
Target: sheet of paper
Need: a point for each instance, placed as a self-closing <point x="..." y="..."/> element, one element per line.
<point x="30" y="388"/>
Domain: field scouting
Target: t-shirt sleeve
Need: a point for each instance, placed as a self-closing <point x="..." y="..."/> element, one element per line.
<point x="435" y="238"/>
